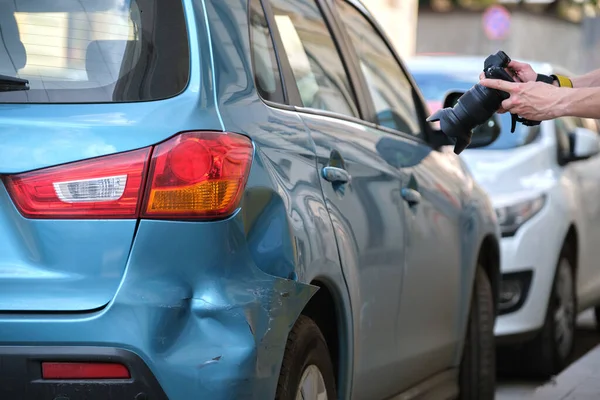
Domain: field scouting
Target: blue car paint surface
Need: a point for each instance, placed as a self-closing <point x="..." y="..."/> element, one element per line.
<point x="208" y="306"/>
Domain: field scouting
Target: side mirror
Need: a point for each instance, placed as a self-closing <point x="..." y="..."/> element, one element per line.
<point x="483" y="135"/>
<point x="584" y="144"/>
<point x="451" y="98"/>
<point x="486" y="133"/>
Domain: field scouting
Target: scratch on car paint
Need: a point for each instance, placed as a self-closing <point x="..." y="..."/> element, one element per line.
<point x="211" y="361"/>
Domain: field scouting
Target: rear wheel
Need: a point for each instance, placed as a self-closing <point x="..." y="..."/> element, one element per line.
<point x="307" y="370"/>
<point x="478" y="365"/>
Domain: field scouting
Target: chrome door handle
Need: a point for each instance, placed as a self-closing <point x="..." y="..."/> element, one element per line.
<point x="411" y="196"/>
<point x="336" y="175"/>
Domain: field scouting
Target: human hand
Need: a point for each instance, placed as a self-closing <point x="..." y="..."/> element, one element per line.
<point x="536" y="101"/>
<point x="520" y="72"/>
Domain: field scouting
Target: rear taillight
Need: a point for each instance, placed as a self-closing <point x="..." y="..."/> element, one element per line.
<point x="106" y="187"/>
<point x="194" y="175"/>
<point x="198" y="175"/>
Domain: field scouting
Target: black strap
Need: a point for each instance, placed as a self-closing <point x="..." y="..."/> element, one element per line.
<point x="545" y="79"/>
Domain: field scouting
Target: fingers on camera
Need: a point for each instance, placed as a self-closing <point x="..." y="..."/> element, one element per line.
<point x="517" y="65"/>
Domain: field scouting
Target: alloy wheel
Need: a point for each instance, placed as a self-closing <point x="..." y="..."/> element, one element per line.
<point x="564" y="314"/>
<point x="312" y="385"/>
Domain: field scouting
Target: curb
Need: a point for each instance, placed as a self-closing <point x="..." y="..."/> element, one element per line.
<point x="580" y="381"/>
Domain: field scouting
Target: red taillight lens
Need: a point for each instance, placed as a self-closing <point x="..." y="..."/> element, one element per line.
<point x="106" y="187"/>
<point x="198" y="175"/>
<point x="77" y="371"/>
<point x="195" y="175"/>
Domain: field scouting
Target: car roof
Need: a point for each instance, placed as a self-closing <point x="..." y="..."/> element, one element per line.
<point x="470" y="65"/>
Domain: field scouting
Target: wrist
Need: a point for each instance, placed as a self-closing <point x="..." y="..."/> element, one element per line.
<point x="581" y="82"/>
<point x="561" y="81"/>
<point x="563" y="104"/>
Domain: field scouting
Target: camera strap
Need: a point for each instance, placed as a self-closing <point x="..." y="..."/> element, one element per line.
<point x="563" y="81"/>
<point x="545" y="78"/>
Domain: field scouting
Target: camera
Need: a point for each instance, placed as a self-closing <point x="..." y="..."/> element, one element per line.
<point x="477" y="105"/>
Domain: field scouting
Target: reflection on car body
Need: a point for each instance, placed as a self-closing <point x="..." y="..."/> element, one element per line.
<point x="214" y="198"/>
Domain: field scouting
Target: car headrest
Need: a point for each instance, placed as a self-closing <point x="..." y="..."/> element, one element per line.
<point x="13" y="51"/>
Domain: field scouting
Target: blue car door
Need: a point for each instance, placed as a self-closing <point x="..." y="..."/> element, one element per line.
<point x="430" y="317"/>
<point x="361" y="188"/>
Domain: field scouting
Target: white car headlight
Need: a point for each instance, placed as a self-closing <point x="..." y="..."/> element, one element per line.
<point x="511" y="218"/>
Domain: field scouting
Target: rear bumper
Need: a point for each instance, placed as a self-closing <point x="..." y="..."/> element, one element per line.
<point x="194" y="306"/>
<point x="21" y="375"/>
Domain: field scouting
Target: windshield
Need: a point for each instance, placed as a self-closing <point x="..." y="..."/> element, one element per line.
<point x="90" y="51"/>
<point x="435" y="85"/>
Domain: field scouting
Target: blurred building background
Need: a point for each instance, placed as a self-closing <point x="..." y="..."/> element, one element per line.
<point x="399" y="18"/>
<point x="563" y="32"/>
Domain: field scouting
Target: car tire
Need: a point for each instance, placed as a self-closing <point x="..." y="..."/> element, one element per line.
<point x="477" y="378"/>
<point x="306" y="360"/>
<point x="548" y="353"/>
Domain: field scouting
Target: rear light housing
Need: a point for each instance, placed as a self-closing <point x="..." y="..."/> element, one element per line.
<point x="192" y="176"/>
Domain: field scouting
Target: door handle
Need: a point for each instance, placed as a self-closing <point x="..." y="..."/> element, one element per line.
<point x="411" y="196"/>
<point x="336" y="175"/>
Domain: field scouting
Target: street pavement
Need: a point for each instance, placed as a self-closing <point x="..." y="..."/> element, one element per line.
<point x="586" y="339"/>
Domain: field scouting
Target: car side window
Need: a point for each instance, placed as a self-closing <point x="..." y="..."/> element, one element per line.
<point x="267" y="76"/>
<point x="314" y="58"/>
<point x="389" y="86"/>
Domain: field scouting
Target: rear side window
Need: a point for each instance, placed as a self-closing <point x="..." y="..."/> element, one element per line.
<point x="316" y="63"/>
<point x="266" y="70"/>
<point x="389" y="86"/>
<point x="94" y="51"/>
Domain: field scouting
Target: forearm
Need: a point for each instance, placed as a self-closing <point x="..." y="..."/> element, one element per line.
<point x="589" y="80"/>
<point x="581" y="102"/>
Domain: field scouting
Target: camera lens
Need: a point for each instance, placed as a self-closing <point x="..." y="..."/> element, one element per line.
<point x="472" y="109"/>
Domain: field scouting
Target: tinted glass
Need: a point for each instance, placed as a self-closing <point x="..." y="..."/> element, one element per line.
<point x="266" y="69"/>
<point x="80" y="51"/>
<point x="313" y="56"/>
<point x="435" y="85"/>
<point x="389" y="86"/>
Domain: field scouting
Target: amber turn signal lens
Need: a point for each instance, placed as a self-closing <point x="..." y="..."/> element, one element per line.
<point x="198" y="175"/>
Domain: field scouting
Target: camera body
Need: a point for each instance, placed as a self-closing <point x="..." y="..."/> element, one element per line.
<point x="495" y="68"/>
<point x="478" y="105"/>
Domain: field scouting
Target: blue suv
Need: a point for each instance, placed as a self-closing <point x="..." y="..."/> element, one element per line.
<point x="231" y="199"/>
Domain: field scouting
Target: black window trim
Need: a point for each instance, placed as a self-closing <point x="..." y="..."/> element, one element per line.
<point x="284" y="89"/>
<point x="417" y="97"/>
<point x="357" y="84"/>
<point x="294" y="100"/>
<point x="349" y="59"/>
<point x="289" y="94"/>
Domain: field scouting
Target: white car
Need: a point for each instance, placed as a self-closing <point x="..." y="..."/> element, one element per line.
<point x="544" y="182"/>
